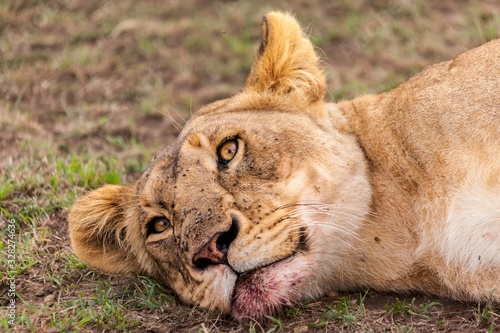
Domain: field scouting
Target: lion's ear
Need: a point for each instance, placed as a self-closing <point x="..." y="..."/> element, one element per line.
<point x="286" y="62"/>
<point x="98" y="230"/>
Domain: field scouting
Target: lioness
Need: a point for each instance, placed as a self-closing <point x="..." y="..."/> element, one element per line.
<point x="273" y="196"/>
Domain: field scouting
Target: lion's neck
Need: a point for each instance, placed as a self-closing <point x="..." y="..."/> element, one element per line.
<point x="385" y="255"/>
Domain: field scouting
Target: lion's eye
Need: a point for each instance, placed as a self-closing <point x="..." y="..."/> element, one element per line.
<point x="227" y="150"/>
<point x="158" y="225"/>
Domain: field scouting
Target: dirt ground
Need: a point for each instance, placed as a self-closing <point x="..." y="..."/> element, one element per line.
<point x="90" y="90"/>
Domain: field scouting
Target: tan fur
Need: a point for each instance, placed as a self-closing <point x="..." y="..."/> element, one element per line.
<point x="397" y="191"/>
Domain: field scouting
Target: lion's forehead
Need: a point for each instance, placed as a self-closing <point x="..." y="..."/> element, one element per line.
<point x="186" y="174"/>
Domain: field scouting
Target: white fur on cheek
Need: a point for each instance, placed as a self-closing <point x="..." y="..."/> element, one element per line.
<point x="337" y="221"/>
<point x="216" y="288"/>
<point x="472" y="235"/>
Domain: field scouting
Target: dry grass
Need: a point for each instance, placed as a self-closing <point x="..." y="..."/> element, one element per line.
<point x="89" y="91"/>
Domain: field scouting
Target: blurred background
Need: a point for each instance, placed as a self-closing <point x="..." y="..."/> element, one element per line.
<point x="98" y="74"/>
<point x="90" y="90"/>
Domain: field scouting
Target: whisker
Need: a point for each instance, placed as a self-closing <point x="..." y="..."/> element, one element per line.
<point x="176" y="124"/>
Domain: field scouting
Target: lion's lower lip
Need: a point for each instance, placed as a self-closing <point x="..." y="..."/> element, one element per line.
<point x="262" y="291"/>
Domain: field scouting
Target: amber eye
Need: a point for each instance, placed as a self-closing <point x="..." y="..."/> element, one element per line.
<point x="228" y="150"/>
<point x="158" y="225"/>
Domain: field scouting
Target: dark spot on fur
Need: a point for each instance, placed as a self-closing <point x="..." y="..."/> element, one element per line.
<point x="265" y="36"/>
<point x="123" y="234"/>
<point x="377" y="240"/>
<point x="303" y="242"/>
<point x="182" y="270"/>
<point x="175" y="164"/>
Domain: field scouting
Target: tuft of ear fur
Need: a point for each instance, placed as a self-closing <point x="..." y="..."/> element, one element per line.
<point x="99" y="233"/>
<point x="286" y="63"/>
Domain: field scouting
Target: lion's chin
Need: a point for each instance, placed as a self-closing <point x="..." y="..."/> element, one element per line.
<point x="261" y="292"/>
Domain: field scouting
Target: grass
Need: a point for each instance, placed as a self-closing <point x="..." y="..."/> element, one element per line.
<point x="90" y="91"/>
<point x="347" y="311"/>
<point x="405" y="308"/>
<point x="106" y="308"/>
<point x="487" y="315"/>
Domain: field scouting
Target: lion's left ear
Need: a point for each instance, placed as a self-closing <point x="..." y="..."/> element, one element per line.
<point x="100" y="234"/>
<point x="286" y="63"/>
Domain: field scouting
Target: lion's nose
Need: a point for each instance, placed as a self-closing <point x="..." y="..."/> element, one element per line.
<point x="215" y="251"/>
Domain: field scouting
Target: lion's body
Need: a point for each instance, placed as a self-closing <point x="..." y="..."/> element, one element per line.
<point x="433" y="146"/>
<point x="273" y="195"/>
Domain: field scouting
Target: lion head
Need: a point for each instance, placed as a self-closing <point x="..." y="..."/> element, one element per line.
<point x="253" y="205"/>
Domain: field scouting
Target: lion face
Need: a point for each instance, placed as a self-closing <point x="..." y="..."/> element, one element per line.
<point x="244" y="216"/>
<point x="234" y="215"/>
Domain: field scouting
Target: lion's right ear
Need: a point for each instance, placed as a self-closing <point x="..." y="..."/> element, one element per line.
<point x="98" y="230"/>
<point x="286" y="64"/>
